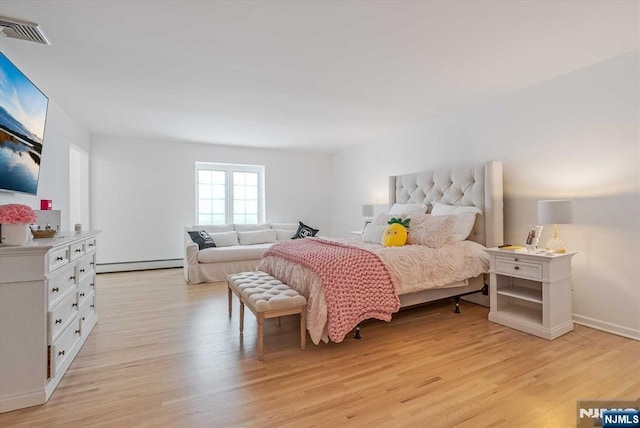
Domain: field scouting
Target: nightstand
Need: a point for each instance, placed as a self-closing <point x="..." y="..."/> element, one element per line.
<point x="531" y="292"/>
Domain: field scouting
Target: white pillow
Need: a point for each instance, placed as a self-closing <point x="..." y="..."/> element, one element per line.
<point x="373" y="233"/>
<point x="464" y="219"/>
<point x="214" y="228"/>
<point x="284" y="234"/>
<point x="250" y="227"/>
<point x="225" y="239"/>
<point x="429" y="230"/>
<point x="285" y="226"/>
<point x="408" y="209"/>
<point x="256" y="237"/>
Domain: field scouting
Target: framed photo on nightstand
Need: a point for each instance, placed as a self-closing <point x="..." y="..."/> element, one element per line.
<point x="533" y="235"/>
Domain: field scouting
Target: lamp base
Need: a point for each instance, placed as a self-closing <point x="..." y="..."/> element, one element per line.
<point x="556" y="245"/>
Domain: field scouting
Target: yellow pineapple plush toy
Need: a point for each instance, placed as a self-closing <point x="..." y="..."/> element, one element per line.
<point x="395" y="235"/>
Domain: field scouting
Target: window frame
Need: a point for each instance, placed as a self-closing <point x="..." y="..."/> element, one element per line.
<point x="229" y="169"/>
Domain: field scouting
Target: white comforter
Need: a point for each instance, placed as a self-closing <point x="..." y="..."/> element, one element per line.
<point x="412" y="267"/>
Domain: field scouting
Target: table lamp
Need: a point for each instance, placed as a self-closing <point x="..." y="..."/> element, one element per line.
<point x="555" y="212"/>
<point x="367" y="211"/>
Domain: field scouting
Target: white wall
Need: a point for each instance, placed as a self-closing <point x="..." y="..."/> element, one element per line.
<point x="143" y="192"/>
<point x="60" y="132"/>
<point x="575" y="137"/>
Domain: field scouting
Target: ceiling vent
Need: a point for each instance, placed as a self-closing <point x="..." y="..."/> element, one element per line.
<point x="22" y="30"/>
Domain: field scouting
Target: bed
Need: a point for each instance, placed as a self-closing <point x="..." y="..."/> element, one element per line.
<point x="478" y="185"/>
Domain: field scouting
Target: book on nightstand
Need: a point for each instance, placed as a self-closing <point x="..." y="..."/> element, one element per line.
<point x="511" y="247"/>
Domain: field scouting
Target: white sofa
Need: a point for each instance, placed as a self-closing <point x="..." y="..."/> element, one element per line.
<point x="215" y="264"/>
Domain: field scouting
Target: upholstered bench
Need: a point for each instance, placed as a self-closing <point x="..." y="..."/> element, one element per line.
<point x="266" y="297"/>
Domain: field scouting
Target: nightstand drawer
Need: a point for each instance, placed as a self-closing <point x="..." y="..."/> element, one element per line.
<point x="513" y="267"/>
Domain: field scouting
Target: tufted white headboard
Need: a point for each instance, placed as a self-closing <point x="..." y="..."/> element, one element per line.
<point x="476" y="185"/>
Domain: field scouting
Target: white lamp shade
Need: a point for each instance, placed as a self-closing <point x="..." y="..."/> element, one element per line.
<point x="367" y="211"/>
<point x="555" y="212"/>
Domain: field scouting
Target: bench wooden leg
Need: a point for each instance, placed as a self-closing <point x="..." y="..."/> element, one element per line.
<point x="260" y="331"/>
<point x="230" y="300"/>
<point x="278" y="321"/>
<point x="241" y="316"/>
<point x="303" y="327"/>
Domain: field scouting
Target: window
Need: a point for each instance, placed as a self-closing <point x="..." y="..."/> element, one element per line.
<point x="228" y="193"/>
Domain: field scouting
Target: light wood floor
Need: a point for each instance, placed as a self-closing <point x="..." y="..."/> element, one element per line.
<point x="166" y="354"/>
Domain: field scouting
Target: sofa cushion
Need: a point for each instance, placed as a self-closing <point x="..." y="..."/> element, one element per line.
<point x="285" y="226"/>
<point x="214" y="228"/>
<point x="232" y="254"/>
<point x="225" y="239"/>
<point x="285" y="234"/>
<point x="257" y="237"/>
<point x="202" y="238"/>
<point x="250" y="227"/>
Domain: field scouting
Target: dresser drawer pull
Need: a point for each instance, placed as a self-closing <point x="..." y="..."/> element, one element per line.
<point x="91" y="245"/>
<point x="59" y="321"/>
<point x="60" y="353"/>
<point x="92" y="306"/>
<point x="81" y="294"/>
<point x="517" y="267"/>
<point x="91" y="285"/>
<point x="91" y="264"/>
<point x="72" y="277"/>
<point x="55" y="289"/>
<point x="59" y="258"/>
<point x="515" y="259"/>
<point x="78" y="250"/>
<point x="82" y="318"/>
<point x="74" y="305"/>
<point x="77" y="331"/>
<point x="81" y="270"/>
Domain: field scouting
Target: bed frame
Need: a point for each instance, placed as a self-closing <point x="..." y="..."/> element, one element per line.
<point x="477" y="185"/>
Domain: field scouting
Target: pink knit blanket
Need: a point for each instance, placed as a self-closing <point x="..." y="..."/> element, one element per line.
<point x="357" y="284"/>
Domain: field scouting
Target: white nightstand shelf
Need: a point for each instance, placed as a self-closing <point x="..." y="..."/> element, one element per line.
<point x="531" y="292"/>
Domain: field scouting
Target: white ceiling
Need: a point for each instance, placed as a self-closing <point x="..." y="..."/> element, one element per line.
<point x="306" y="75"/>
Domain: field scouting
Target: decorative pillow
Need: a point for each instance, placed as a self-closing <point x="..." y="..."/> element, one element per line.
<point x="202" y="238"/>
<point x="250" y="227"/>
<point x="464" y="219"/>
<point x="373" y="233"/>
<point x="432" y="231"/>
<point x="408" y="209"/>
<point x="257" y="237"/>
<point x="383" y="219"/>
<point x="285" y="234"/>
<point x="225" y="239"/>
<point x="305" y="231"/>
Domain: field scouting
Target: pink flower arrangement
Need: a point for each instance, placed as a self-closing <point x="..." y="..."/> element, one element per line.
<point x="17" y="213"/>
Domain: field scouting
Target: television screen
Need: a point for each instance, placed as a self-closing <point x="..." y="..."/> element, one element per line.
<point x="23" y="112"/>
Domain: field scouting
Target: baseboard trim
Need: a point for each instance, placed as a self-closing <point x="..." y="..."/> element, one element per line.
<point x="139" y="265"/>
<point x="619" y="330"/>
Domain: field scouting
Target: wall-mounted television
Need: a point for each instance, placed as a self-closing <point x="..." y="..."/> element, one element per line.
<point x="23" y="113"/>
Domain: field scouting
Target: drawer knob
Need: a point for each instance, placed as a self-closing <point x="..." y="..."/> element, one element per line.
<point x="78" y="250"/>
<point x="59" y="321"/>
<point x="91" y="285"/>
<point x="81" y="270"/>
<point x="516" y="259"/>
<point x="77" y="331"/>
<point x="517" y="268"/>
<point x="72" y="277"/>
<point x="91" y="245"/>
<point x="60" y="353"/>
<point x="81" y="294"/>
<point x="74" y="305"/>
<point x="91" y="264"/>
<point x="55" y="290"/>
<point x="59" y="258"/>
<point x="82" y="318"/>
<point x="92" y="306"/>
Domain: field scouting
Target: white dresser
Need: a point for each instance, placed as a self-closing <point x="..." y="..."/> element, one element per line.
<point x="47" y="311"/>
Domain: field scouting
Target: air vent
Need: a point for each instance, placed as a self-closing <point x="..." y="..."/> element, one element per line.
<point x="22" y="30"/>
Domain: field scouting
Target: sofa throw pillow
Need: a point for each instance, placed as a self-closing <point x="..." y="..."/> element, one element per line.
<point x="202" y="238"/>
<point x="225" y="239"/>
<point x="431" y="231"/>
<point x="253" y="237"/>
<point x="305" y="231"/>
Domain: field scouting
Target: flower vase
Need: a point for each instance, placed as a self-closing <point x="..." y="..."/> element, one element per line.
<point x="14" y="233"/>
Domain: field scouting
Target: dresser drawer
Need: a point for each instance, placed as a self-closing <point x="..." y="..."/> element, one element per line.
<point x="512" y="266"/>
<point x="87" y="311"/>
<point x="90" y="245"/>
<point x="58" y="258"/>
<point x="61" y="349"/>
<point x="86" y="265"/>
<point x="76" y="250"/>
<point x="85" y="288"/>
<point x="60" y="284"/>
<point x="61" y="314"/>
